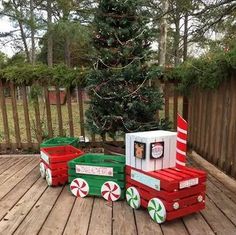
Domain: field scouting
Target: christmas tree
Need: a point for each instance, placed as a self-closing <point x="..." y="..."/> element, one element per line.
<point x="121" y="99"/>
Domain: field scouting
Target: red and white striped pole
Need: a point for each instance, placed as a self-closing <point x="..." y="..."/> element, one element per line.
<point x="181" y="146"/>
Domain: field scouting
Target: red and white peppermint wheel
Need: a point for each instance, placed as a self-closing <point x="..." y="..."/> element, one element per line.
<point x="49" y="177"/>
<point x="111" y="191"/>
<point x="42" y="170"/>
<point x="79" y="187"/>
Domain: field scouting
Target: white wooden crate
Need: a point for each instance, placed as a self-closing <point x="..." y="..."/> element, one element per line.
<point x="151" y="150"/>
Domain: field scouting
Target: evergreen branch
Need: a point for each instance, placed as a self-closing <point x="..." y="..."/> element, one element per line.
<point x="130" y="40"/>
<point x="139" y="87"/>
<point x="117" y="68"/>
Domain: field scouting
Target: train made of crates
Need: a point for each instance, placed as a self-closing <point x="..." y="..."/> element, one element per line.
<point x="152" y="174"/>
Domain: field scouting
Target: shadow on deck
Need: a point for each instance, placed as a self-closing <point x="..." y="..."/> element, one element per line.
<point x="28" y="206"/>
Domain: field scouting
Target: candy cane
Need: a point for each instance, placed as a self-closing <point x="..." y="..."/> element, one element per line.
<point x="181" y="147"/>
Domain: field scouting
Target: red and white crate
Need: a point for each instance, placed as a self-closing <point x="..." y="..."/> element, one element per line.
<point x="53" y="163"/>
<point x="179" y="191"/>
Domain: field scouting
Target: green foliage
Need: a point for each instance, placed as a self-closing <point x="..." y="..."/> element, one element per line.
<point x="58" y="75"/>
<point x="79" y="37"/>
<point x="207" y="72"/>
<point x="3" y="60"/>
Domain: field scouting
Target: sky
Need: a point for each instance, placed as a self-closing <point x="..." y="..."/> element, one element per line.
<point x="5" y="26"/>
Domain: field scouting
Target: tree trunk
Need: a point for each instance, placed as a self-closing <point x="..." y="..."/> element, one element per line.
<point x="23" y="37"/>
<point x="185" y="39"/>
<point x="177" y="41"/>
<point x="32" y="26"/>
<point x="49" y="39"/>
<point x="163" y="34"/>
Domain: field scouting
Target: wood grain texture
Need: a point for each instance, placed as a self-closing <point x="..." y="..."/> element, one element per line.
<point x="59" y="114"/>
<point x="70" y="115"/>
<point x="166" y="97"/>
<point x="13" y="167"/>
<point x="81" y="111"/>
<point x="101" y="219"/>
<point x="216" y="219"/>
<point x="38" y="126"/>
<point x="28" y="206"/>
<point x="26" y="115"/>
<point x="197" y="225"/>
<point x="145" y="225"/>
<point x="120" y="224"/>
<point x="7" y="163"/>
<point x="59" y="215"/>
<point x="15" y="115"/>
<point x="230" y="161"/>
<point x="48" y="112"/>
<point x="9" y="184"/>
<point x="79" y="220"/>
<point x="174" y="227"/>
<point x="20" y="189"/>
<point x="35" y="218"/>
<point x="4" y="115"/>
<point x="16" y="215"/>
<point x="175" y="108"/>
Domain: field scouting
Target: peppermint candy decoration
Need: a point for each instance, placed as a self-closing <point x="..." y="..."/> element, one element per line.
<point x="79" y="187"/>
<point x="42" y="170"/>
<point x="157" y="210"/>
<point x="49" y="177"/>
<point x="111" y="191"/>
<point x="133" y="197"/>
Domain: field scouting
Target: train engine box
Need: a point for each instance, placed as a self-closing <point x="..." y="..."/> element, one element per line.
<point x="99" y="175"/>
<point x="157" y="177"/>
<point x="53" y="163"/>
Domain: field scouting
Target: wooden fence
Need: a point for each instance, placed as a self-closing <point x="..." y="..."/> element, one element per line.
<point x="26" y="122"/>
<point x="212" y="125"/>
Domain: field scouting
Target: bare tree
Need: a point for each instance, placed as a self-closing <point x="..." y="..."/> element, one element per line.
<point x="163" y="34"/>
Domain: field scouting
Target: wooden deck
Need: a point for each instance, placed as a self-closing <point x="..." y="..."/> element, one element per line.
<point x="28" y="206"/>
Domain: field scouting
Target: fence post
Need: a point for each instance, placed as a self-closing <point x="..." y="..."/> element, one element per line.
<point x="81" y="110"/>
<point x="69" y="108"/>
<point x="48" y="112"/>
<point x="185" y="108"/>
<point x="4" y="115"/>
<point x="15" y="115"/>
<point x="59" y="114"/>
<point x="26" y="114"/>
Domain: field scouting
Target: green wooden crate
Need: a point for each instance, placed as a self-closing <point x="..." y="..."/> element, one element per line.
<point x="60" y="141"/>
<point x="98" y="174"/>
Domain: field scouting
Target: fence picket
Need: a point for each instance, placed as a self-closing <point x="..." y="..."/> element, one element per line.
<point x="48" y="112"/>
<point x="81" y="111"/>
<point x="70" y="116"/>
<point x="15" y="115"/>
<point x="4" y="115"/>
<point x="38" y="124"/>
<point x="59" y="115"/>
<point x="166" y="95"/>
<point x="175" y="108"/>
<point x="230" y="163"/>
<point x="26" y="115"/>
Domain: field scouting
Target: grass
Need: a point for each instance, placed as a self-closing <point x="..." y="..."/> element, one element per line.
<point x="76" y="119"/>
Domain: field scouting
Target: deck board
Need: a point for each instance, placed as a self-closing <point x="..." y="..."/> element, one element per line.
<point x="29" y="206"/>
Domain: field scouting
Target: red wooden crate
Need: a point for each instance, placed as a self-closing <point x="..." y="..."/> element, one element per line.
<point x="53" y="164"/>
<point x="175" y="191"/>
<point x="60" y="154"/>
